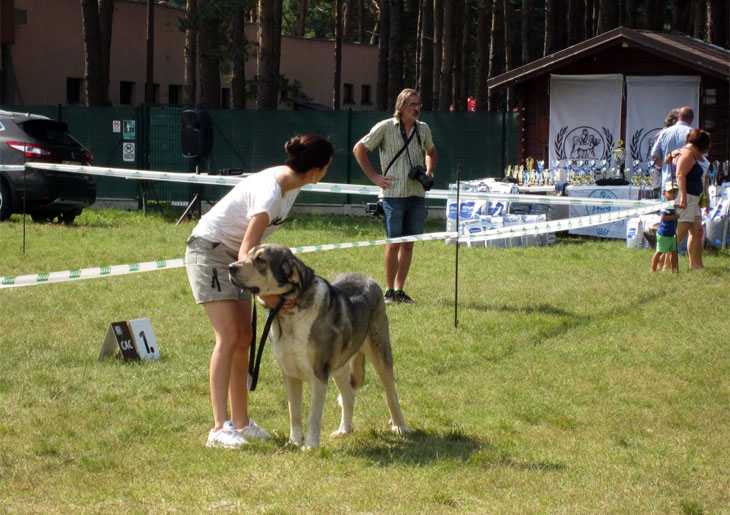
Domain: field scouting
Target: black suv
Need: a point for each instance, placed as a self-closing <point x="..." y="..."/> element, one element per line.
<point x="26" y="138"/>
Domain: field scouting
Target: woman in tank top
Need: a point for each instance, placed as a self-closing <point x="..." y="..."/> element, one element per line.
<point x="693" y="182"/>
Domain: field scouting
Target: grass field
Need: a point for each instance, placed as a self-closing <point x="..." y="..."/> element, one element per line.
<point x="576" y="382"/>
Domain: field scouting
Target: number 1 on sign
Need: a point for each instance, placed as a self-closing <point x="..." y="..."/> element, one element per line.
<point x="144" y="338"/>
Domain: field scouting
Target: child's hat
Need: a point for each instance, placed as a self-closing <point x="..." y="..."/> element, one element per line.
<point x="670" y="186"/>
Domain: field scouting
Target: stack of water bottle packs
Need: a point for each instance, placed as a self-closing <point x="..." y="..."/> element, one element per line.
<point x="480" y="217"/>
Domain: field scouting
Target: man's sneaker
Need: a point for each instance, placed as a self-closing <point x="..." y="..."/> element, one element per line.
<point x="389" y="296"/>
<point x="252" y="432"/>
<point x="402" y="298"/>
<point x="226" y="437"/>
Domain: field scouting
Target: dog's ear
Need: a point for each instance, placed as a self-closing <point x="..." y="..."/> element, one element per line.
<point x="299" y="274"/>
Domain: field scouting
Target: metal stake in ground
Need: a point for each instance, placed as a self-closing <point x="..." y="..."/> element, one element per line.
<point x="456" y="267"/>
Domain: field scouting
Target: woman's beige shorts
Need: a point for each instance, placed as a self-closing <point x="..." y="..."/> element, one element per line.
<point x="692" y="210"/>
<point x="207" y="265"/>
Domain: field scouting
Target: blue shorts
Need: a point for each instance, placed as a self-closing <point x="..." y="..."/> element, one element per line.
<point x="404" y="216"/>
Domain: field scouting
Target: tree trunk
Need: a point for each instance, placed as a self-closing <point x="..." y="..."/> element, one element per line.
<point x="97" y="27"/>
<point x="576" y="27"/>
<point x="527" y="30"/>
<point x="447" y="59"/>
<point x="106" y="16"/>
<point x="191" y="53"/>
<point x="507" y="49"/>
<point x="682" y="16"/>
<point x="588" y="21"/>
<point x="457" y="18"/>
<point x="425" y="78"/>
<point x="395" y="54"/>
<point x="482" y="71"/>
<point x="383" y="52"/>
<point x="210" y="84"/>
<point x="607" y="15"/>
<point x="239" y="56"/>
<point x="654" y="14"/>
<point x="630" y="12"/>
<point x="360" y="21"/>
<point x="267" y="84"/>
<point x="698" y="29"/>
<point x="338" y="56"/>
<point x="278" y="18"/>
<point x="555" y="35"/>
<point x="466" y="52"/>
<point x="496" y="48"/>
<point x="716" y="17"/>
<point x="301" y="19"/>
<point x="438" y="25"/>
<point x="348" y="17"/>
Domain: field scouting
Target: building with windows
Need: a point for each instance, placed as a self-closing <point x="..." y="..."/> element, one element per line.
<point x="42" y="59"/>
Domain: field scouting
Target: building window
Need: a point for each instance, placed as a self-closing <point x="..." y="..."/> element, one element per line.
<point x="347" y="94"/>
<point x="174" y="94"/>
<point x="225" y="98"/>
<point x="365" y="94"/>
<point x="73" y="90"/>
<point x="126" y="92"/>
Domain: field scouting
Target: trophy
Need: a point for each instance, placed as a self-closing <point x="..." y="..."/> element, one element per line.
<point x="604" y="164"/>
<point x="715" y="172"/>
<point x="530" y="162"/>
<point x="508" y="171"/>
<point x="619" y="156"/>
<point x="636" y="175"/>
<point x="521" y="175"/>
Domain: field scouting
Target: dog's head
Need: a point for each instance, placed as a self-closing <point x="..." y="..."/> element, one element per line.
<point x="271" y="269"/>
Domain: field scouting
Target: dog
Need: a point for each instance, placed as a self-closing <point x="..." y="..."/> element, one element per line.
<point x="328" y="333"/>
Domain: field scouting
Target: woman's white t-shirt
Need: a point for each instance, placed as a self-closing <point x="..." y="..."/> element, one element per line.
<point x="228" y="220"/>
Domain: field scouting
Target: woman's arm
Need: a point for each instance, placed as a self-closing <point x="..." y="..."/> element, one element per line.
<point x="254" y="233"/>
<point x="684" y="165"/>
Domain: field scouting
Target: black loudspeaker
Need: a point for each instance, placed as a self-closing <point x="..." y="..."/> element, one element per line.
<point x="197" y="134"/>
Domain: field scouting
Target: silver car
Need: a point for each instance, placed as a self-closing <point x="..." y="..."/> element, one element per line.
<point x="45" y="195"/>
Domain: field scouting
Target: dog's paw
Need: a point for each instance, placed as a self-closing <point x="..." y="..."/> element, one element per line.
<point x="297" y="440"/>
<point x="308" y="448"/>
<point x="340" y="433"/>
<point x="398" y="429"/>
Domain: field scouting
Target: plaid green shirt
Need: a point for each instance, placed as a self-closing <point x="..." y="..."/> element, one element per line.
<point x="386" y="136"/>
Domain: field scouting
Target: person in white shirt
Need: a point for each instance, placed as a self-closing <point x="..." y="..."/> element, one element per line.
<point x="250" y="212"/>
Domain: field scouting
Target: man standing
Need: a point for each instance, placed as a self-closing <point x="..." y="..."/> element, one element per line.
<point x="405" y="143"/>
<point x="670" y="139"/>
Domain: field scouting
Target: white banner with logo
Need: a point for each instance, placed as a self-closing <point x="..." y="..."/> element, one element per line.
<point x="585" y="116"/>
<point x="608" y="194"/>
<point x="648" y="101"/>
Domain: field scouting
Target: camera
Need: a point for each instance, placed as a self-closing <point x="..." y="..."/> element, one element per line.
<point x="418" y="173"/>
<point x="374" y="208"/>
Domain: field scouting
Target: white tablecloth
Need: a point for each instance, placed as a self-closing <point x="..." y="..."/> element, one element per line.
<point x="611" y="230"/>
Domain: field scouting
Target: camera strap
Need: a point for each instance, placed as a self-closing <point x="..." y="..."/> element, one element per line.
<point x="406" y="141"/>
<point x="418" y="137"/>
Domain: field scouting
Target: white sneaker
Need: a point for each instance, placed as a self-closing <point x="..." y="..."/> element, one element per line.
<point x="226" y="437"/>
<point x="253" y="432"/>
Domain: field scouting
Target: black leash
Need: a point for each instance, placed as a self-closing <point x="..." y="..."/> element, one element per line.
<point x="253" y="369"/>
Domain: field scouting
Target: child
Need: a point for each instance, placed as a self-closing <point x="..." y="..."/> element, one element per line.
<point x="666" y="245"/>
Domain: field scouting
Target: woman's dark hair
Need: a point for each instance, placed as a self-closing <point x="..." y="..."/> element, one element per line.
<point x="307" y="152"/>
<point x="700" y="139"/>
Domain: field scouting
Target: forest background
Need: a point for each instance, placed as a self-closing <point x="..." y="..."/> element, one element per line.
<point x="446" y="49"/>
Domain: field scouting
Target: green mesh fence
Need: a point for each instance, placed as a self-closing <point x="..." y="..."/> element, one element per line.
<point x="482" y="143"/>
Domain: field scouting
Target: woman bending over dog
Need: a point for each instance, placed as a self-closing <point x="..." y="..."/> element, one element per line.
<point x="249" y="213"/>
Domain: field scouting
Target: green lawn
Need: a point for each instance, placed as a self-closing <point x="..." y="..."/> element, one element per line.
<point x="576" y="382"/>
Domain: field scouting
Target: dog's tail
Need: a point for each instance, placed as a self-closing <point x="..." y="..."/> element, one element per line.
<point x="357" y="371"/>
